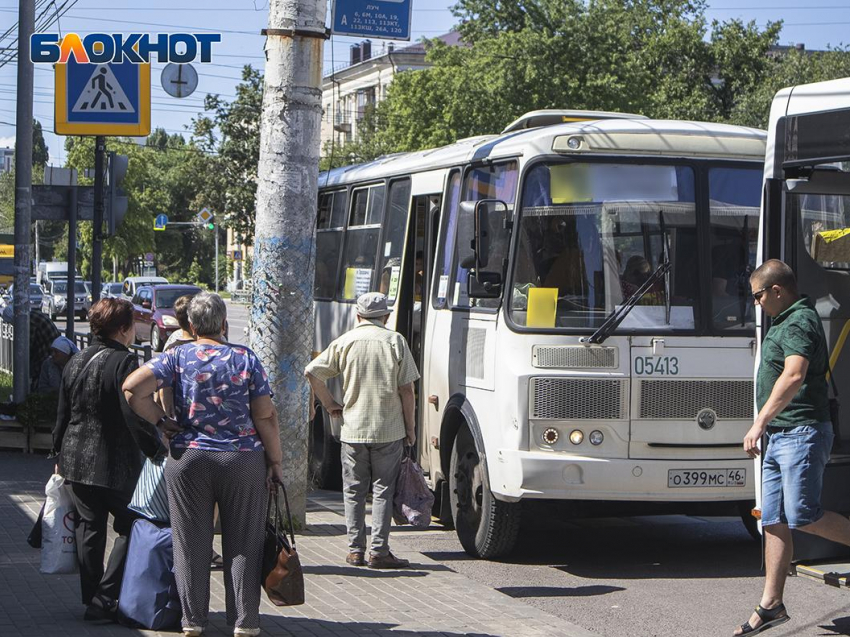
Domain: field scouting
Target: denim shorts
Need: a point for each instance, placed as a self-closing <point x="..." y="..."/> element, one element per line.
<point x="792" y="474"/>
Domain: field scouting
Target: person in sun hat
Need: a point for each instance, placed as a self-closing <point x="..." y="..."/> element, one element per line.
<point x="50" y="376"/>
<point x="378" y="372"/>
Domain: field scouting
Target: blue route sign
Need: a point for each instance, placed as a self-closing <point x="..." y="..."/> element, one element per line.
<point x="160" y="222"/>
<point x="103" y="99"/>
<point x="381" y="19"/>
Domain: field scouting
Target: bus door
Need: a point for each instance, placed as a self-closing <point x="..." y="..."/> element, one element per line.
<point x="806" y="223"/>
<point x="420" y="250"/>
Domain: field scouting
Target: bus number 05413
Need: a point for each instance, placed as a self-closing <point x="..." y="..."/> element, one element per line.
<point x="656" y="365"/>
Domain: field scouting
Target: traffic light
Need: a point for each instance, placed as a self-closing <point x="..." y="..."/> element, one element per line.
<point x="210" y="226"/>
<point x="116" y="200"/>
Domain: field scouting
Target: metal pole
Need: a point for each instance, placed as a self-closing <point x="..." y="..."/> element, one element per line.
<point x="97" y="223"/>
<point x="215" y="229"/>
<point x="37" y="247"/>
<point x="72" y="265"/>
<point x="23" y="202"/>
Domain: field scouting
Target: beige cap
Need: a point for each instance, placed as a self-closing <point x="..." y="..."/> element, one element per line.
<point x="372" y="305"/>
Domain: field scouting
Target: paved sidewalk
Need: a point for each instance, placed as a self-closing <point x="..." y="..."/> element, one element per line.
<point x="429" y="599"/>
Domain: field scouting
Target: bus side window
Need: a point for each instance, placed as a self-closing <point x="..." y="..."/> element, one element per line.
<point x="393" y="241"/>
<point x="488" y="182"/>
<point x="361" y="242"/>
<point x="447" y="241"/>
<point x="329" y="230"/>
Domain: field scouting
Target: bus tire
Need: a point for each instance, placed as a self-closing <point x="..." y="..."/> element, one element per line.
<point x="324" y="454"/>
<point x="486" y="527"/>
<point x="750" y="523"/>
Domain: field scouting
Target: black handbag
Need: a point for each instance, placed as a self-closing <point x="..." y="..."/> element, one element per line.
<point x="34" y="538"/>
<point x="282" y="575"/>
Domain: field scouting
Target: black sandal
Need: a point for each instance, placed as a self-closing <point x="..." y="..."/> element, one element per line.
<point x="217" y="562"/>
<point x="770" y="617"/>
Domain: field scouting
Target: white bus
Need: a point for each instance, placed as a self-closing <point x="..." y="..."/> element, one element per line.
<point x="575" y="293"/>
<point x="806" y="223"/>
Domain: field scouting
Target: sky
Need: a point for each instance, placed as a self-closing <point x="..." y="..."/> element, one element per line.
<point x="822" y="24"/>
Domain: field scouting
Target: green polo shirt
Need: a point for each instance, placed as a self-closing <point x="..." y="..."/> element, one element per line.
<point x="796" y="331"/>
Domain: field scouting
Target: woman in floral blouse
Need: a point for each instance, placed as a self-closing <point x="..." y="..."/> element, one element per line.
<point x="227" y="452"/>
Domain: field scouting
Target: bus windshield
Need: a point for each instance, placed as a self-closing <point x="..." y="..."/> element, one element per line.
<point x="591" y="234"/>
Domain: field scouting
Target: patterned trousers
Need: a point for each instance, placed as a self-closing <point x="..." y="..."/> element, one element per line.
<point x="235" y="480"/>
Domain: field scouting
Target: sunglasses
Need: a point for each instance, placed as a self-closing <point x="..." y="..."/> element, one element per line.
<point x="758" y="294"/>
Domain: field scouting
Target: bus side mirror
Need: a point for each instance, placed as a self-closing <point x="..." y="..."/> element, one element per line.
<point x="474" y="223"/>
<point x="485" y="285"/>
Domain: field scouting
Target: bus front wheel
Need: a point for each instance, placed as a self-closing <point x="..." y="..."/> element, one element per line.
<point x="486" y="527"/>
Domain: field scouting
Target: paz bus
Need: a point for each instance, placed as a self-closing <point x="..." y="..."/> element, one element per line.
<point x="574" y="291"/>
<point x="806" y="223"/>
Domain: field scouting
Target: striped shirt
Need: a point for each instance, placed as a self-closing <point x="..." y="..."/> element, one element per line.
<point x="373" y="362"/>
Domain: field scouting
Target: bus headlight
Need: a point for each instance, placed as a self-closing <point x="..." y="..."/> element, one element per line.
<point x="596" y="437"/>
<point x="576" y="437"/>
<point x="550" y="436"/>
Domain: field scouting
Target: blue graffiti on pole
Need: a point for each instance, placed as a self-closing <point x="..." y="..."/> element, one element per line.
<point x="268" y="303"/>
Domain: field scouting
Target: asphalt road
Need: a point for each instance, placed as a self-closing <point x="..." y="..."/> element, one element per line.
<point x="642" y="576"/>
<point x="237" y="317"/>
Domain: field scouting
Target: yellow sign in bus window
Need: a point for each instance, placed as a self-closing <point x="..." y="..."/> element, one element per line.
<point x="542" y="307"/>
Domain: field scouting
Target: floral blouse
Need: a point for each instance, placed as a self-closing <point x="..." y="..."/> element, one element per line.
<point x="213" y="387"/>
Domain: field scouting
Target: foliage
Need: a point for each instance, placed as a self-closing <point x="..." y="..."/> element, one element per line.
<point x="40" y="155"/>
<point x="792" y="68"/>
<point x="162" y="178"/>
<point x="231" y="131"/>
<point x="658" y="58"/>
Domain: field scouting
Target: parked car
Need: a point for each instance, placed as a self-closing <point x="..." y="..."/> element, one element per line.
<point x="133" y="283"/>
<point x="112" y="290"/>
<point x="154" y="312"/>
<point x="55" y="298"/>
<point x="36" y="295"/>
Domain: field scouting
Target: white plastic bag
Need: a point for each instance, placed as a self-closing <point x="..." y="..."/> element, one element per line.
<point x="58" y="541"/>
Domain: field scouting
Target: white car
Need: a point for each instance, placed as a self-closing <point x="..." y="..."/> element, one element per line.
<point x="133" y="283"/>
<point x="56" y="298"/>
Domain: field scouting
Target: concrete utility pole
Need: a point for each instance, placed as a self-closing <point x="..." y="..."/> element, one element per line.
<point x="23" y="203"/>
<point x="287" y="191"/>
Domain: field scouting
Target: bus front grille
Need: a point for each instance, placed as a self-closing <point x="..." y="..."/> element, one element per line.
<point x="578" y="399"/>
<point x="573" y="357"/>
<point x="684" y="399"/>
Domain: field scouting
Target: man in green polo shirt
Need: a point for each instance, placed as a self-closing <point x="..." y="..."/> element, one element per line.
<point x="793" y="415"/>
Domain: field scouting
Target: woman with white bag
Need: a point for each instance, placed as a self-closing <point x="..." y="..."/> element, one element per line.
<point x="100" y="444"/>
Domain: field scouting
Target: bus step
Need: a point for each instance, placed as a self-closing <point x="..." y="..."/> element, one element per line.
<point x="830" y="573"/>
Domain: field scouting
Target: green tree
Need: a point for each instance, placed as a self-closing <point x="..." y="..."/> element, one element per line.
<point x="658" y="58"/>
<point x="40" y="154"/>
<point x="231" y="131"/>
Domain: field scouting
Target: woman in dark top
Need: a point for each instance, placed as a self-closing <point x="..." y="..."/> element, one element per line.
<point x="101" y="445"/>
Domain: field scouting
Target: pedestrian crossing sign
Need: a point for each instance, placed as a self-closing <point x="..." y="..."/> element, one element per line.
<point x="103" y="99"/>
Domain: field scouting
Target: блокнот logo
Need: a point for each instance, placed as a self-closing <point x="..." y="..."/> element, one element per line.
<point x="116" y="48"/>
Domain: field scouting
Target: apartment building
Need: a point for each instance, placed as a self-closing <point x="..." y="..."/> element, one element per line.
<point x="349" y="90"/>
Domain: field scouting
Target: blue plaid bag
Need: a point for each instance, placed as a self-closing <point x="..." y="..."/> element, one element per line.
<point x="150" y="499"/>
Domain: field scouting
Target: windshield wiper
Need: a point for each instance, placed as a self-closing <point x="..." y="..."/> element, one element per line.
<point x="619" y="314"/>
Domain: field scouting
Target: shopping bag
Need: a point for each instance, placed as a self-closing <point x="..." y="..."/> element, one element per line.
<point x="34" y="538"/>
<point x="149" y="595"/>
<point x="150" y="499"/>
<point x="413" y="500"/>
<point x="58" y="541"/>
<point x="282" y="575"/>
